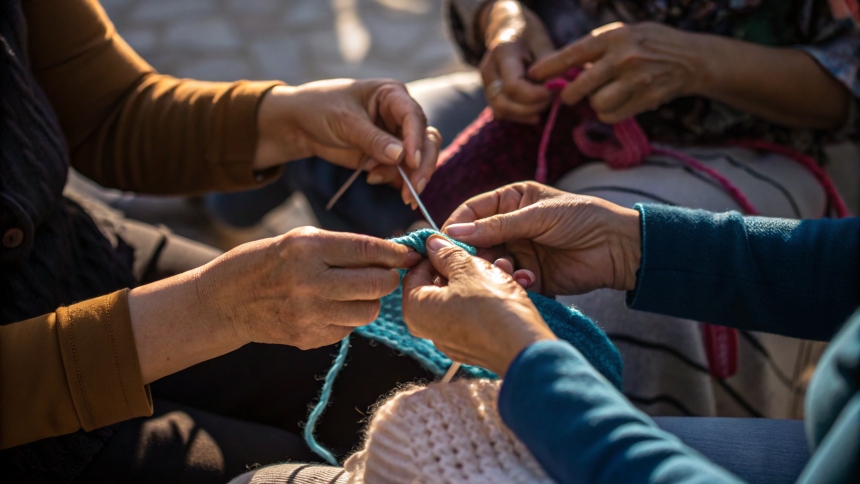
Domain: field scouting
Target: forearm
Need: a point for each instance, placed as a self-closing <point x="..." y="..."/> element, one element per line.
<point x="790" y="277"/>
<point x="173" y="329"/>
<point x="73" y="369"/>
<point x="127" y="126"/>
<point x="781" y="84"/>
<point x="581" y="429"/>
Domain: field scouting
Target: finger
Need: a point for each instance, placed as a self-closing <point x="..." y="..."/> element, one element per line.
<point x="353" y="313"/>
<point x="585" y="50"/>
<point x="325" y="336"/>
<point x="341" y="249"/>
<point x="399" y="109"/>
<point x="501" y="200"/>
<point x="587" y="82"/>
<point x="611" y="98"/>
<point x="373" y="141"/>
<point x="432" y="146"/>
<point x="382" y="175"/>
<point x="450" y="261"/>
<point x="420" y="177"/>
<point x="510" y="110"/>
<point x="516" y="87"/>
<point x="638" y="103"/>
<point x="505" y="265"/>
<point x="359" y="284"/>
<point x="524" y="278"/>
<point x="421" y="275"/>
<point x="498" y="229"/>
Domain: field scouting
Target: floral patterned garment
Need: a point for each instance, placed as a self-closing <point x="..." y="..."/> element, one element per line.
<point x="824" y="29"/>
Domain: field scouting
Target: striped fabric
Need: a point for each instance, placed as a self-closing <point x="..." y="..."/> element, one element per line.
<point x="665" y="367"/>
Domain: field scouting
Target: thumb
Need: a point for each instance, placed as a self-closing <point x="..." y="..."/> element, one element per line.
<point x="498" y="229"/>
<point x="378" y="144"/>
<point x="449" y="260"/>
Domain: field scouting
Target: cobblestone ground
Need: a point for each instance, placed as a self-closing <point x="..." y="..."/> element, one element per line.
<point x="292" y="40"/>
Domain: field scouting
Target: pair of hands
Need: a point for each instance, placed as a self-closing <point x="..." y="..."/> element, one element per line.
<point x="346" y="121"/>
<point x="628" y="69"/>
<point x="310" y="288"/>
<point x="475" y="312"/>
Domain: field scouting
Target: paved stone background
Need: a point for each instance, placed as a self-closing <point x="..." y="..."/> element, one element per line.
<point x="292" y="40"/>
<point x="295" y="41"/>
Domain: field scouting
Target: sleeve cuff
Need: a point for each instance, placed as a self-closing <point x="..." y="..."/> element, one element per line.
<point x="236" y="132"/>
<point x="101" y="363"/>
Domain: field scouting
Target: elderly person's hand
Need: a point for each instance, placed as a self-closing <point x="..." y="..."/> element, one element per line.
<point x="472" y="311"/>
<point x="573" y="244"/>
<point x="628" y="68"/>
<point x="345" y="121"/>
<point x="514" y="38"/>
<point x="307" y="288"/>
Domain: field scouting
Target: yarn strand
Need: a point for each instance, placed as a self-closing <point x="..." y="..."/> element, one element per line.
<point x="319" y="408"/>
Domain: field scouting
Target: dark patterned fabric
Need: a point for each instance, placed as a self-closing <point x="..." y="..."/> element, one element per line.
<point x="808" y="25"/>
<point x="63" y="257"/>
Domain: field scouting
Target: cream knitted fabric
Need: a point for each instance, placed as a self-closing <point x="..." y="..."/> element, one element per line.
<point x="445" y="432"/>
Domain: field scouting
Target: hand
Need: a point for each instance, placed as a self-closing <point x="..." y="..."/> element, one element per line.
<point x="629" y="69"/>
<point x="515" y="37"/>
<point x="307" y="288"/>
<point x="573" y="244"/>
<point x="472" y="311"/>
<point x="345" y="121"/>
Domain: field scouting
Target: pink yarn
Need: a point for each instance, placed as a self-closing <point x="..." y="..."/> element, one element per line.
<point x="630" y="146"/>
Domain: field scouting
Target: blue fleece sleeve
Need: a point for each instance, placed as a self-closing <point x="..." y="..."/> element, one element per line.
<point x="797" y="278"/>
<point x="581" y="429"/>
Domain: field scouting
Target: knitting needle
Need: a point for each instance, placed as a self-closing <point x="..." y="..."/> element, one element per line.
<point x="452" y="370"/>
<point x="417" y="199"/>
<point x="345" y="186"/>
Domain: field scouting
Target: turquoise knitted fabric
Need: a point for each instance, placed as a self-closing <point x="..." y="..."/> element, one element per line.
<point x="389" y="329"/>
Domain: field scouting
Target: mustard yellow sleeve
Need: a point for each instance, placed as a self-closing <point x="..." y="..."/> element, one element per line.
<point x="73" y="369"/>
<point x="129" y="127"/>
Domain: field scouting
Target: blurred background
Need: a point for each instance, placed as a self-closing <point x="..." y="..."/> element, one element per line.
<point x="296" y="41"/>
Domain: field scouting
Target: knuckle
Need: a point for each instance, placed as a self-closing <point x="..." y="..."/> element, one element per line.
<point x="368" y="249"/>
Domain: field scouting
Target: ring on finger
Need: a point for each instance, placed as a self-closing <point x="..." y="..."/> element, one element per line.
<point x="494" y="88"/>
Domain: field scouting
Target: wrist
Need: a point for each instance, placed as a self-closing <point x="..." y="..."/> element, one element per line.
<point x="280" y="138"/>
<point x="503" y="22"/>
<point x="709" y="54"/>
<point x="628" y="257"/>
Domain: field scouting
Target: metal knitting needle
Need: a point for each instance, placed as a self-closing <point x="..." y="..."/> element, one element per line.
<point x="452" y="370"/>
<point x="347" y="184"/>
<point x="417" y="199"/>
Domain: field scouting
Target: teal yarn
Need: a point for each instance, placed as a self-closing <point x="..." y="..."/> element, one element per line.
<point x="389" y="329"/>
<point x="325" y="395"/>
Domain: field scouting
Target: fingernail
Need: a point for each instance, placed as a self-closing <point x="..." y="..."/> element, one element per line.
<point x="460" y="230"/>
<point x="374" y="179"/>
<point x="421" y="185"/>
<point x="393" y="151"/>
<point x="438" y="243"/>
<point x="416" y="161"/>
<point x="524" y="282"/>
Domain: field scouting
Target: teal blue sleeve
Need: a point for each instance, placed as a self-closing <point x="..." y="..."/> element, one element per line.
<point x="797" y="278"/>
<point x="581" y="429"/>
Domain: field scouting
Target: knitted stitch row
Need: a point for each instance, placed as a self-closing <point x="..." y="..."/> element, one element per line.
<point x="389" y="329"/>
